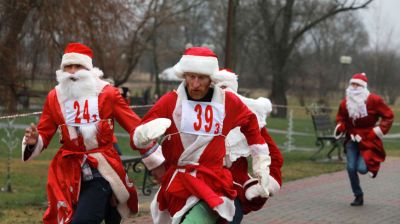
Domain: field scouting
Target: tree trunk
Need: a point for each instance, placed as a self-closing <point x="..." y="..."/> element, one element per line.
<point x="11" y="99"/>
<point x="230" y="49"/>
<point x="278" y="93"/>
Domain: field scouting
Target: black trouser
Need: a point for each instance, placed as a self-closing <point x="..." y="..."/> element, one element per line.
<point x="94" y="204"/>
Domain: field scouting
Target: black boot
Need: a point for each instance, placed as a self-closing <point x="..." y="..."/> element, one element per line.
<point x="358" y="201"/>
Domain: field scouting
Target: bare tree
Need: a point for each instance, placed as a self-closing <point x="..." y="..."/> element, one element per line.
<point x="13" y="16"/>
<point x="283" y="25"/>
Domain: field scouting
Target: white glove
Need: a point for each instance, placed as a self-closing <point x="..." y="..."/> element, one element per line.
<point x="257" y="190"/>
<point x="261" y="172"/>
<point x="146" y="133"/>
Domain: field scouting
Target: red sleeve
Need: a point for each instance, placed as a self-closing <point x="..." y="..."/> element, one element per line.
<point x="122" y="113"/>
<point x="159" y="110"/>
<point x="386" y="115"/>
<point x="47" y="125"/>
<point x="276" y="156"/>
<point x="342" y="113"/>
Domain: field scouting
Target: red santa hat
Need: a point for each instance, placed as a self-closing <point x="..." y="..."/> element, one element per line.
<point x="79" y="54"/>
<point x="200" y="60"/>
<point x="359" y="78"/>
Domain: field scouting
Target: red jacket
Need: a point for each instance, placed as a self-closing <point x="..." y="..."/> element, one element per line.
<point x="64" y="173"/>
<point x="194" y="163"/>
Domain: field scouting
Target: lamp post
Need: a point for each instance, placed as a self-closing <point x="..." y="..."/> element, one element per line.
<point x="345" y="61"/>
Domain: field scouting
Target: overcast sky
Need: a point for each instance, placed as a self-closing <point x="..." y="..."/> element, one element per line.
<point x="382" y="20"/>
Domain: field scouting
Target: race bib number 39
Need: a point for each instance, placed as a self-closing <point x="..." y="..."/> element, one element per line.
<point x="202" y="118"/>
<point x="82" y="111"/>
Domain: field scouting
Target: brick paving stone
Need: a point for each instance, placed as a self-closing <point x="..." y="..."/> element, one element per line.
<point x="325" y="199"/>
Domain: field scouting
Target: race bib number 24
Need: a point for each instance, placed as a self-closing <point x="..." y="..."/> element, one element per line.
<point x="202" y="118"/>
<point x="82" y="111"/>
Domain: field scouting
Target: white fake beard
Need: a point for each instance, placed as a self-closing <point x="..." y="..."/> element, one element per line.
<point x="89" y="133"/>
<point x="73" y="86"/>
<point x="356" y="101"/>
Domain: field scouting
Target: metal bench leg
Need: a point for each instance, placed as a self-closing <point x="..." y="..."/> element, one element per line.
<point x="146" y="189"/>
<point x="331" y="150"/>
<point x="321" y="145"/>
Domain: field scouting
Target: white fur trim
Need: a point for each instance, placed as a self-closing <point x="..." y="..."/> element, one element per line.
<point x="261" y="107"/>
<point x="154" y="160"/>
<point x="227" y="79"/>
<point x="378" y="132"/>
<point x="205" y="65"/>
<point x="335" y="134"/>
<point x="359" y="81"/>
<point x="76" y="58"/>
<point x="194" y="145"/>
<point x="190" y="202"/>
<point x="36" y="151"/>
<point x="259" y="150"/>
<point x="72" y="132"/>
<point x="157" y="215"/>
<point x="117" y="185"/>
<point x="227" y="209"/>
<point x="236" y="145"/>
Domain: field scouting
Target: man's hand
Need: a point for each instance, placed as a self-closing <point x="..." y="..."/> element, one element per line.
<point x="158" y="173"/>
<point x="31" y="135"/>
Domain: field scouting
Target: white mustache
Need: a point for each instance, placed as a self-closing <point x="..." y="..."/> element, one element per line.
<point x="63" y="76"/>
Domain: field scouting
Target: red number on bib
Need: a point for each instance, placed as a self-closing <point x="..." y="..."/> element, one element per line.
<point x="216" y="128"/>
<point x="86" y="114"/>
<point x="209" y="118"/>
<point x="77" y="107"/>
<point x="197" y="125"/>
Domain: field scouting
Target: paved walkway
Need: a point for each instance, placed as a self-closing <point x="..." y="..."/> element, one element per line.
<point x="326" y="199"/>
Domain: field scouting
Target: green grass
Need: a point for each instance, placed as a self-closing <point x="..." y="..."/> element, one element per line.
<point x="28" y="201"/>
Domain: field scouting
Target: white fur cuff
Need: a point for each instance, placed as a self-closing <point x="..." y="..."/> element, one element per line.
<point x="36" y="150"/>
<point x="154" y="160"/>
<point x="259" y="150"/>
<point x="378" y="132"/>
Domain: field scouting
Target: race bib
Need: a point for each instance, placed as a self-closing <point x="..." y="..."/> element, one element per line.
<point x="202" y="118"/>
<point x="82" y="111"/>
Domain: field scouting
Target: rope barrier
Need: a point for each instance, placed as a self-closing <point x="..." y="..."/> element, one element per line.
<point x="12" y="116"/>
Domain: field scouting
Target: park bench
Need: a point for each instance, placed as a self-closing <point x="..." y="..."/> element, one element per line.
<point x="135" y="162"/>
<point x="324" y="128"/>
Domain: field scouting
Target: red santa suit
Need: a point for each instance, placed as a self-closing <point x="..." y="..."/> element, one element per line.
<point x="358" y="129"/>
<point x="238" y="149"/>
<point x="93" y="146"/>
<point x="194" y="163"/>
